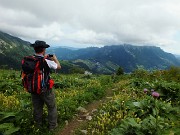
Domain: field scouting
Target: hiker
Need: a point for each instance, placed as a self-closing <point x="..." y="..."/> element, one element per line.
<point x="45" y="95"/>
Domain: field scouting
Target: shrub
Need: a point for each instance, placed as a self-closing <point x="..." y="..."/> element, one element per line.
<point x="120" y="71"/>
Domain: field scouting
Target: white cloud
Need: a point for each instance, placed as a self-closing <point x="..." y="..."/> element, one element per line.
<point x="94" y="22"/>
<point x="89" y="36"/>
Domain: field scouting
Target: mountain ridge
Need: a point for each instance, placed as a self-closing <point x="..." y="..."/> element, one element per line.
<point x="127" y="56"/>
<point x="103" y="60"/>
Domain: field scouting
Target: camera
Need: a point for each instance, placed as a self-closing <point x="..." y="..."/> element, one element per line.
<point x="50" y="55"/>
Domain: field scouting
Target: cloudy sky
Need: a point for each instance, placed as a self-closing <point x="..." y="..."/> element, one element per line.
<point x="82" y="23"/>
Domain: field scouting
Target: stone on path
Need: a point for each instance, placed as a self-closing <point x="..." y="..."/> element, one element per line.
<point x="94" y="110"/>
<point x="89" y="117"/>
<point x="82" y="110"/>
<point x="84" y="131"/>
<point x="66" y="122"/>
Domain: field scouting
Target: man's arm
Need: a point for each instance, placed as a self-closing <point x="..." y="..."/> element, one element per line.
<point x="54" y="58"/>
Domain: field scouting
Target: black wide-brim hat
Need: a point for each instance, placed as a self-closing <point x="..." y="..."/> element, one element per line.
<point x="40" y="44"/>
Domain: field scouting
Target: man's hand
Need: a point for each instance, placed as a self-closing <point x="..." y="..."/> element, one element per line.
<point x="54" y="57"/>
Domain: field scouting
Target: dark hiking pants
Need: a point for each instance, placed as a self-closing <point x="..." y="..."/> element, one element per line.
<point x="38" y="102"/>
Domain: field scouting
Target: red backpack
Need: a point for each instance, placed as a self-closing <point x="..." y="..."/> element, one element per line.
<point x="35" y="75"/>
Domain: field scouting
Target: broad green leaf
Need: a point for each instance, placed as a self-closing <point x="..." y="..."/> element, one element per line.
<point x="6" y="125"/>
<point x="11" y="130"/>
<point x="132" y="122"/>
<point x="6" y="115"/>
<point x="154" y="111"/>
<point x="138" y="104"/>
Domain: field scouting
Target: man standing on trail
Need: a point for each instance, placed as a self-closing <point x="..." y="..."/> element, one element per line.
<point x="47" y="96"/>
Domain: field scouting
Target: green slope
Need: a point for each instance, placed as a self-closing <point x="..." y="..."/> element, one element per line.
<point x="12" y="50"/>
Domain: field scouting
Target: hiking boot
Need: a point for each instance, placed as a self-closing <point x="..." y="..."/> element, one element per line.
<point x="51" y="128"/>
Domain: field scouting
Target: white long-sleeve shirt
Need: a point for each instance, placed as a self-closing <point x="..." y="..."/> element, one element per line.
<point x="51" y="64"/>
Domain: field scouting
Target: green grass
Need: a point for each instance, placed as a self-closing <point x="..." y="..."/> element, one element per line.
<point x="129" y="111"/>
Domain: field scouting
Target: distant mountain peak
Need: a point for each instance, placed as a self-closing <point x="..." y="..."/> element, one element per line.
<point x="127" y="56"/>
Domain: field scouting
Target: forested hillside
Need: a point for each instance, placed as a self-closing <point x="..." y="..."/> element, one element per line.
<point x="12" y="50"/>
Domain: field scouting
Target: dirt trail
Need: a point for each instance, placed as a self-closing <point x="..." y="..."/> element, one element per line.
<point x="78" y="121"/>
